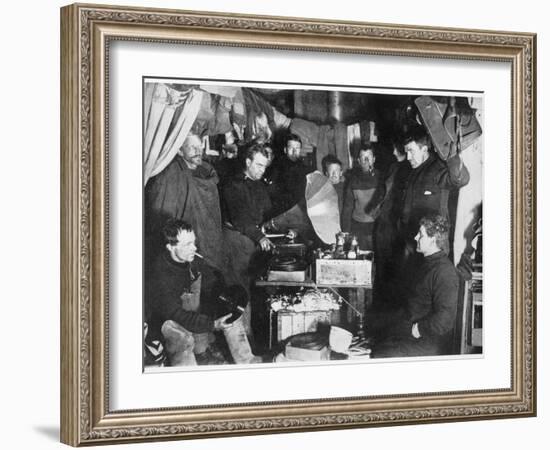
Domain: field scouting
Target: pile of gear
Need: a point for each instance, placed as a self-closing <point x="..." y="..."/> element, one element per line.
<point x="303" y="301"/>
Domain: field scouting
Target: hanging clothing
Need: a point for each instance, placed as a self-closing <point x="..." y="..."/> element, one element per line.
<point x="220" y="123"/>
<point x="168" y="117"/>
<point x="307" y="130"/>
<point x="238" y="108"/>
<point x="206" y="116"/>
<point x="341" y="145"/>
<point x="325" y="144"/>
<point x="354" y="140"/>
<point x="256" y="106"/>
<point x="368" y="131"/>
<point x="450" y="124"/>
<point x="224" y="91"/>
<point x="280" y="120"/>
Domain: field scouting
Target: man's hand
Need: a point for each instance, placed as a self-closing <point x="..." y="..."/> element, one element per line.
<point x="292" y="234"/>
<point x="269" y="227"/>
<point x="221" y="323"/>
<point x="415" y="332"/>
<point x="266" y="244"/>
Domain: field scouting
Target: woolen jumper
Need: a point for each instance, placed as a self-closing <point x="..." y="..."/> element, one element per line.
<point x="434" y="302"/>
<point x="360" y="197"/>
<point x="432" y="306"/>
<point x="165" y="285"/>
<point x="247" y="205"/>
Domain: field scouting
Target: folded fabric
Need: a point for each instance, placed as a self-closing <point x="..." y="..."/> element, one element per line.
<point x="280" y="120"/>
<point x="225" y="91"/>
<point x="308" y="131"/>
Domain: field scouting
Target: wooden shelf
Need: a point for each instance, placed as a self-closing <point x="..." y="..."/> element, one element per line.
<point x="311" y="284"/>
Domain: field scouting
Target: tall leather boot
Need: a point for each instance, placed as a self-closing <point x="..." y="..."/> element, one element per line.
<point x="239" y="345"/>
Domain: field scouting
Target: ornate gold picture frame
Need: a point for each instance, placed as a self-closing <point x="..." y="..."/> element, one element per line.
<point x="87" y="34"/>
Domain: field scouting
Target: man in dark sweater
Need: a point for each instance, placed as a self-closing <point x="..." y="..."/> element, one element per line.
<point x="246" y="199"/>
<point x="248" y="206"/>
<point x="288" y="174"/>
<point x="424" y="327"/>
<point x="173" y="298"/>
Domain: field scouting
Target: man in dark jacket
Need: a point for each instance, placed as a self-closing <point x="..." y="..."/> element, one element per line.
<point x="424" y="327"/>
<point x="429" y="183"/>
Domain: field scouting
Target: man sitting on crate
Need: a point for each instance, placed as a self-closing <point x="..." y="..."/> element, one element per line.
<point x="175" y="305"/>
<point x="425" y="326"/>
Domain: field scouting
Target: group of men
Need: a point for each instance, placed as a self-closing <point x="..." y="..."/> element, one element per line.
<point x="399" y="214"/>
<point x="183" y="206"/>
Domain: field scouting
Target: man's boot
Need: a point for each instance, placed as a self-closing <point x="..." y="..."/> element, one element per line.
<point x="239" y="346"/>
<point x="179" y="344"/>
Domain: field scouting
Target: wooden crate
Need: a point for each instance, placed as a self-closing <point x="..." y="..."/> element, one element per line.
<point x="290" y="323"/>
<point x="343" y="272"/>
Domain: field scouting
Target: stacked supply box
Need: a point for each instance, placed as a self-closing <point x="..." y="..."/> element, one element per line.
<point x="343" y="272"/>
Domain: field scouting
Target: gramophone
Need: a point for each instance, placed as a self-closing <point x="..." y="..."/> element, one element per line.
<point x="287" y="244"/>
<point x="288" y="262"/>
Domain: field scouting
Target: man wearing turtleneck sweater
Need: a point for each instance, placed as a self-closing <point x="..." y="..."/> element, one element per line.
<point x="172" y="301"/>
<point x="425" y="326"/>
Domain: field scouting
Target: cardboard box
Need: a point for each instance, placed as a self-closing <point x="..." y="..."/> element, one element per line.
<point x="343" y="272"/>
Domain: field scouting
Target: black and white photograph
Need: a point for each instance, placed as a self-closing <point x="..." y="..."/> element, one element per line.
<point x="294" y="224"/>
